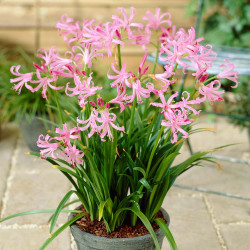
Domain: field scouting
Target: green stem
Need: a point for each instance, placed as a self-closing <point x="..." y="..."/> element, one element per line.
<point x="150" y="130"/>
<point x="132" y="118"/>
<point x="120" y="66"/>
<point x="156" y="57"/>
<point x="59" y="108"/>
<point x="119" y="56"/>
<point x="211" y="78"/>
<point x="153" y="71"/>
<point x="153" y="150"/>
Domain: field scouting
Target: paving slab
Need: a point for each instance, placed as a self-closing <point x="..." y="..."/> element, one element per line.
<point x="31" y="239"/>
<point x="229" y="210"/>
<point x="237" y="237"/>
<point x="35" y="191"/>
<point x="27" y="162"/>
<point x="190" y="224"/>
<point x="8" y="138"/>
<point x="233" y="178"/>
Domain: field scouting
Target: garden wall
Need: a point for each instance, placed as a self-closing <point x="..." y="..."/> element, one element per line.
<point x="31" y="23"/>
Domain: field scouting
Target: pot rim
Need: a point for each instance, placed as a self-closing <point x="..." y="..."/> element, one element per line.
<point x="84" y="234"/>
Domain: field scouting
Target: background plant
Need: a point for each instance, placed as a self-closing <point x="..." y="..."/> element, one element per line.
<point x="227" y="23"/>
<point x="12" y="105"/>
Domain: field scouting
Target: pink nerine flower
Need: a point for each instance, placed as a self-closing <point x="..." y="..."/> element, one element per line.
<point x="83" y="88"/>
<point x="71" y="31"/>
<point x="66" y="134"/>
<point x="48" y="57"/>
<point x="120" y="98"/>
<point x="23" y="79"/>
<point x="73" y="155"/>
<point x="102" y="37"/>
<point x="174" y="121"/>
<point x="48" y="147"/>
<point x="91" y="122"/>
<point x="184" y="105"/>
<point x="121" y="76"/>
<point x="138" y="91"/>
<point x="87" y="55"/>
<point x="140" y="71"/>
<point x="211" y="92"/>
<point x="126" y="22"/>
<point x="228" y="73"/>
<point x="167" y="107"/>
<point x="44" y="82"/>
<point x="155" y="21"/>
<point x="107" y="119"/>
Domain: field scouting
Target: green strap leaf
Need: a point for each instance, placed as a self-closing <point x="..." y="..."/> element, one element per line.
<point x="59" y="209"/>
<point x="66" y="205"/>
<point x="38" y="212"/>
<point x="62" y="228"/>
<point x="145" y="183"/>
<point x="167" y="233"/>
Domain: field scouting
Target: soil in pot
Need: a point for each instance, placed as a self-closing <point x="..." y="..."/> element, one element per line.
<point x="126" y="231"/>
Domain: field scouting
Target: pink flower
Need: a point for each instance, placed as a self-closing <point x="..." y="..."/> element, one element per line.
<point x="211" y="92"/>
<point x="174" y="121"/>
<point x="121" y="76"/>
<point x="87" y="55"/>
<point x="167" y="107"/>
<point x="48" y="147"/>
<point x="120" y="98"/>
<point x="73" y="155"/>
<point x="83" y="89"/>
<point x="102" y="37"/>
<point x="71" y="31"/>
<point x="142" y="39"/>
<point x="156" y="21"/>
<point x="138" y="91"/>
<point x="48" y="57"/>
<point x="163" y="77"/>
<point x="44" y="82"/>
<point x="65" y="135"/>
<point x="184" y="45"/>
<point x="22" y="79"/>
<point x="126" y="22"/>
<point x="228" y="73"/>
<point x="107" y="119"/>
<point x="140" y="71"/>
<point x="185" y="103"/>
<point x="90" y="122"/>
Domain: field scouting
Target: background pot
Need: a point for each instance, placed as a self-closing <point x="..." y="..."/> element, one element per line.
<point x="87" y="241"/>
<point x="31" y="130"/>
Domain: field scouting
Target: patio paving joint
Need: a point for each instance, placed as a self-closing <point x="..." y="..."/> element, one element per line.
<point x="235" y="223"/>
<point x="10" y="176"/>
<point x="24" y="226"/>
<point x="214" y="222"/>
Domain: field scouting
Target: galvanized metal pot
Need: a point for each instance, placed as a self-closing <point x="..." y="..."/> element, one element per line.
<point x="87" y="241"/>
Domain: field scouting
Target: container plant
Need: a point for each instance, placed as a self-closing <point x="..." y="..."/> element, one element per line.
<point x="119" y="150"/>
<point x="23" y="109"/>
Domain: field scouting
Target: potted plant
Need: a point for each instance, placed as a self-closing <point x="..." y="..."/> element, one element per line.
<point x="23" y="109"/>
<point x="119" y="151"/>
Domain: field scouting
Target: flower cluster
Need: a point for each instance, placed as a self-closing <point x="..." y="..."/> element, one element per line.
<point x="174" y="47"/>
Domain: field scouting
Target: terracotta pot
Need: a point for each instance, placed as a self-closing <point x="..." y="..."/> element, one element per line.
<point x="87" y="241"/>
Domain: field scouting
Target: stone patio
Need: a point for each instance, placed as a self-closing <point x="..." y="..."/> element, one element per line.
<point x="199" y="220"/>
